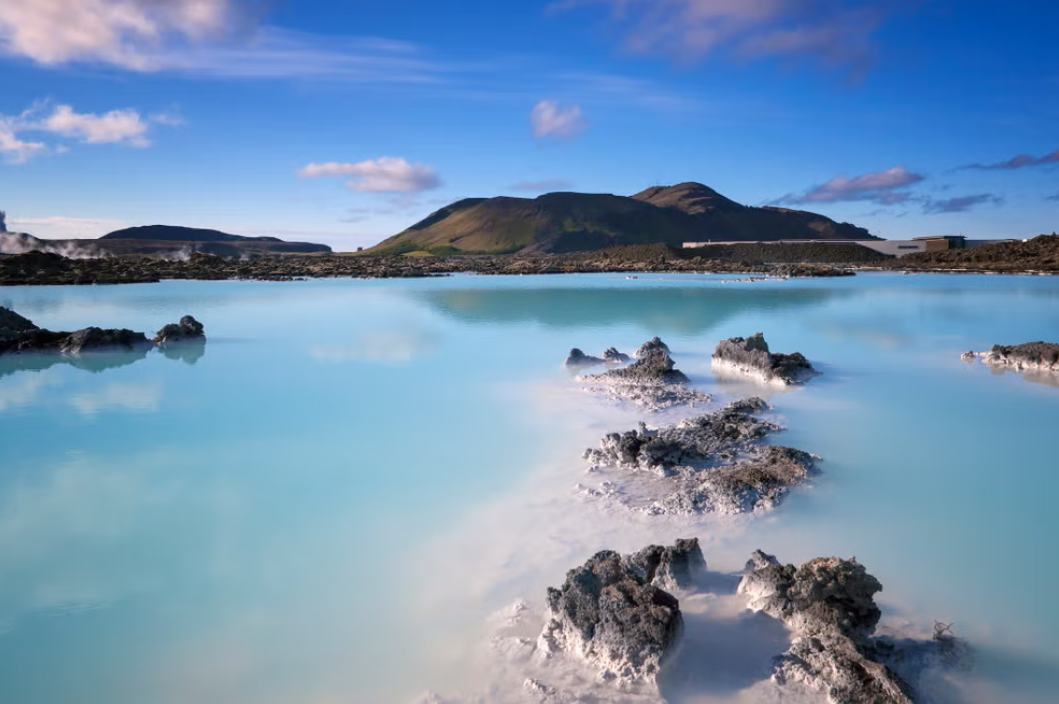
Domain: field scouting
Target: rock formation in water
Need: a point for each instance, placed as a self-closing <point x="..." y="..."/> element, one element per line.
<point x="652" y="381"/>
<point x="612" y="613"/>
<point x="18" y="334"/>
<point x="652" y="345"/>
<point x="1030" y="356"/>
<point x="612" y="356"/>
<point x="752" y="356"/>
<point x="188" y="329"/>
<point x="577" y="358"/>
<point x="829" y="605"/>
<point x="711" y="463"/>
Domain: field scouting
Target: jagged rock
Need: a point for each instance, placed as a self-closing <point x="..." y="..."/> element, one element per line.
<point x="187" y="329"/>
<point x="710" y="463"/>
<point x="97" y="339"/>
<point x="752" y="356"/>
<point x="609" y="614"/>
<point x="670" y="568"/>
<point x="613" y="356"/>
<point x="969" y="356"/>
<point x="11" y="323"/>
<point x="712" y="438"/>
<point x="653" y="345"/>
<point x="578" y="358"/>
<point x="1031" y="356"/>
<point x="652" y="381"/>
<point x="829" y="605"/>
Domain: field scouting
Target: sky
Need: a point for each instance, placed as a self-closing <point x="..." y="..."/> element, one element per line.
<point x="344" y="122"/>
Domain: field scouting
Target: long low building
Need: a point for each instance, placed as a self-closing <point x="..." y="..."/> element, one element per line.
<point x="894" y="248"/>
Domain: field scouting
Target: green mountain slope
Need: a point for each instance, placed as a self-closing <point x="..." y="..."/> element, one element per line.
<point x="572" y="222"/>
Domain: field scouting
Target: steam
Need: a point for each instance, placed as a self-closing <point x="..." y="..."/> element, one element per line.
<point x="22" y="243"/>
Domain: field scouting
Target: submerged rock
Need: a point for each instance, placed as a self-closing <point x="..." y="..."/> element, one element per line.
<point x="829" y="605"/>
<point x="187" y="329"/>
<point x="711" y="463"/>
<point x="752" y="356"/>
<point x="609" y="614"/>
<point x="578" y="358"/>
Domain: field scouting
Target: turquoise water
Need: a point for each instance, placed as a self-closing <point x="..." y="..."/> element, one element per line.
<point x="326" y="505"/>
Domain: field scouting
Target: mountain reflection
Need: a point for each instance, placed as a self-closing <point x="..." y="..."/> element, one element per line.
<point x="662" y="310"/>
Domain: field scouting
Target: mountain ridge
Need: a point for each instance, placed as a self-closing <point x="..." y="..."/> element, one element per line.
<point x="563" y="222"/>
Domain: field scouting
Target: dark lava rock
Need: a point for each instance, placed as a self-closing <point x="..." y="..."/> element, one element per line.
<point x="578" y="358"/>
<point x="653" y="367"/>
<point x="187" y="329"/>
<point x="711" y="463"/>
<point x="1033" y="356"/>
<point x="98" y="339"/>
<point x="829" y="605"/>
<point x="752" y="356"/>
<point x="11" y="323"/>
<point x="670" y="568"/>
<point x="609" y="614"/>
<point x="652" y="345"/>
<point x="613" y="356"/>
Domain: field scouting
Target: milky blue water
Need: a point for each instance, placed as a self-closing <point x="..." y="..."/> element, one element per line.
<point x="325" y="503"/>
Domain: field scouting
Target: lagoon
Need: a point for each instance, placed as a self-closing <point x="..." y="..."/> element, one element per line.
<point x="328" y="504"/>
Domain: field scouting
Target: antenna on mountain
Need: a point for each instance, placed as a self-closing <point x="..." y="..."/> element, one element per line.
<point x="3" y="221"/>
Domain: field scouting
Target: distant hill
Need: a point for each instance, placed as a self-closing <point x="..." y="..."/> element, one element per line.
<point x="572" y="222"/>
<point x="183" y="234"/>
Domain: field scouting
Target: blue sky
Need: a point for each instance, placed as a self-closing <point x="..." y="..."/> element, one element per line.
<point x="345" y="122"/>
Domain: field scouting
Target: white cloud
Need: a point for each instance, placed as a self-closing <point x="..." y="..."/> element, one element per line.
<point x="121" y="32"/>
<point x="554" y="120"/>
<point x="114" y="127"/>
<point x="384" y="175"/>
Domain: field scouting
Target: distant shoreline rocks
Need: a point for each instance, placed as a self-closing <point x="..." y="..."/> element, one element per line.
<point x="751" y="357"/>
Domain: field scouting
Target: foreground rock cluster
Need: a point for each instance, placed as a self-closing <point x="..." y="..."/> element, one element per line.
<point x="618" y="619"/>
<point x="614" y="614"/>
<point x="751" y="356"/>
<point x="20" y="335"/>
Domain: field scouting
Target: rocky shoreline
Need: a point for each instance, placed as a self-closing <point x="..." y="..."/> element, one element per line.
<point x="1027" y="357"/>
<point x="18" y="335"/>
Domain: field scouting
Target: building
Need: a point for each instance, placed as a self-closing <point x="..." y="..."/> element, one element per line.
<point x="894" y="248"/>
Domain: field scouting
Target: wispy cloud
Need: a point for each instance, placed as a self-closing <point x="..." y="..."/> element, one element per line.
<point x="1022" y="161"/>
<point x="883" y="187"/>
<point x="836" y="32"/>
<point x="961" y="204"/>
<point x="1055" y="197"/>
<point x="383" y="175"/>
<point x="554" y="120"/>
<point x="557" y="184"/>
<point x="61" y="227"/>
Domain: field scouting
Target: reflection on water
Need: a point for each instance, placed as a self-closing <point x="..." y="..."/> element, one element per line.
<point x="187" y="351"/>
<point x="329" y="515"/>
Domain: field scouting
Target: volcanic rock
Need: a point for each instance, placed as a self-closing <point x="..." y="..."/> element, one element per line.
<point x="752" y="356"/>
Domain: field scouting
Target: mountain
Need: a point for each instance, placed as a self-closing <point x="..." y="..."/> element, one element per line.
<point x="571" y="222"/>
<point x="172" y="233"/>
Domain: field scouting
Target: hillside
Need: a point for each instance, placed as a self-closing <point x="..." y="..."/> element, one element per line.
<point x="572" y="222"/>
<point x="171" y="233"/>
